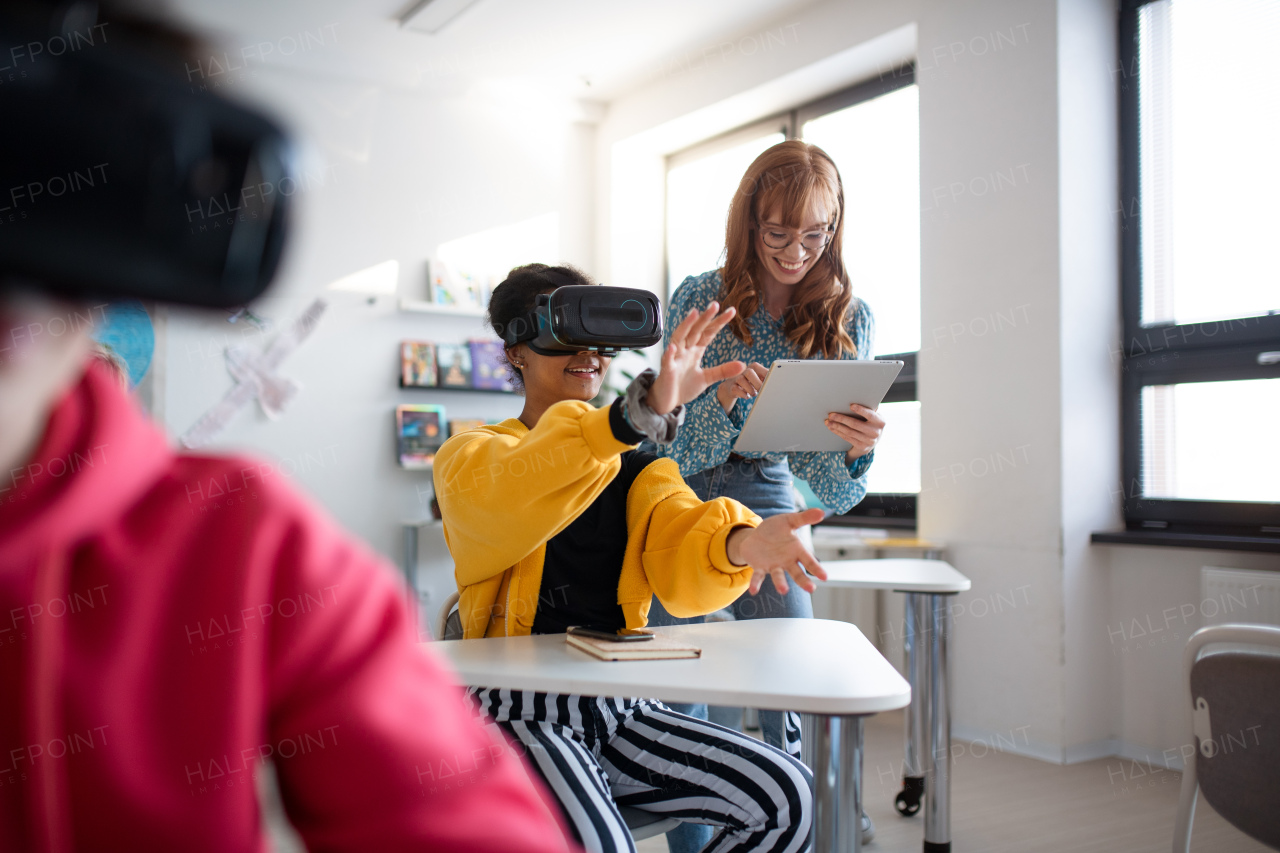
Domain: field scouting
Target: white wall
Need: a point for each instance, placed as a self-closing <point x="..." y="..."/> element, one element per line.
<point x="989" y="364"/>
<point x="1089" y="259"/>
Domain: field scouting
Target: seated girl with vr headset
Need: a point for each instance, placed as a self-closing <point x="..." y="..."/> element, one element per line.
<point x="555" y="519"/>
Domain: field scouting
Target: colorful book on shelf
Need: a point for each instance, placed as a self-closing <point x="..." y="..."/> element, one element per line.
<point x="417" y="364"/>
<point x="659" y="648"/>
<point x="419" y="434"/>
<point x="453" y="365"/>
<point x="488" y="366"/>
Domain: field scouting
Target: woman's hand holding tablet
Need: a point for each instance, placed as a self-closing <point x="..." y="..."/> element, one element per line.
<point x="861" y="429"/>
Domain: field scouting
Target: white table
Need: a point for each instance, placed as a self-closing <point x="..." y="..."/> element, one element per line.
<point x="815" y="666"/>
<point x="928" y="584"/>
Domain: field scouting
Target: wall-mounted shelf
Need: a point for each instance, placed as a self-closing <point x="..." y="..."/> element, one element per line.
<point x="417" y="306"/>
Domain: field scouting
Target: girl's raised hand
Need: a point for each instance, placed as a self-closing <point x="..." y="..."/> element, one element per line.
<point x="774" y="550"/>
<point x="683" y="377"/>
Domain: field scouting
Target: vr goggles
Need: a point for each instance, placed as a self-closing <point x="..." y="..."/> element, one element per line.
<point x="601" y="319"/>
<point x="117" y="180"/>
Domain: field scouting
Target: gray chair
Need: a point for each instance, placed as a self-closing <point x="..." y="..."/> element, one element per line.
<point x="448" y="624"/>
<point x="1235" y="716"/>
<point x="642" y="824"/>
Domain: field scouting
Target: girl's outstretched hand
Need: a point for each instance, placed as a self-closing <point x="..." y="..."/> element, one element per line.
<point x="683" y="377"/>
<point x="774" y="549"/>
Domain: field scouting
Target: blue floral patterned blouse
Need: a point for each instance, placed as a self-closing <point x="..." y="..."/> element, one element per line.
<point x="707" y="436"/>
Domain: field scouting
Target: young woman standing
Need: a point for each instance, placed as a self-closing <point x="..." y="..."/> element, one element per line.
<point x="785" y="277"/>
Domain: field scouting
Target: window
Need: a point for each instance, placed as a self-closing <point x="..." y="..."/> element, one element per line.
<point x="871" y="131"/>
<point x="700" y="182"/>
<point x="1201" y="289"/>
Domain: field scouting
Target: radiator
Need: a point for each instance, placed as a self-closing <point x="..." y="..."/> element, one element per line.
<point x="1239" y="596"/>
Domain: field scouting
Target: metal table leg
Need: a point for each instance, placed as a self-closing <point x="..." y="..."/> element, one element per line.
<point x="808" y="737"/>
<point x="937" y="779"/>
<point x="837" y="784"/>
<point x="916" y="645"/>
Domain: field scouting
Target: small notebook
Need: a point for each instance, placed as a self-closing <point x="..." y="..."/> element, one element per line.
<point x="659" y="648"/>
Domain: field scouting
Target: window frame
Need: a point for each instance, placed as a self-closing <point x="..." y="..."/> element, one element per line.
<point x="894" y="510"/>
<point x="878" y="509"/>
<point x="1173" y="353"/>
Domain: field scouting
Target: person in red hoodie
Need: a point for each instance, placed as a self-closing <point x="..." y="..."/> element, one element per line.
<point x="169" y="623"/>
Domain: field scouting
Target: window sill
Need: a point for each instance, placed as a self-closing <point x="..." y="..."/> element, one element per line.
<point x="1209" y="541"/>
<point x="875" y="522"/>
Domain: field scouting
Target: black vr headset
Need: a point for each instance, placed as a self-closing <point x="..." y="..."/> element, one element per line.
<point x="119" y="180"/>
<point x="601" y="319"/>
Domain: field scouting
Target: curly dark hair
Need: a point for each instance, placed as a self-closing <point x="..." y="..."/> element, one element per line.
<point x="515" y="297"/>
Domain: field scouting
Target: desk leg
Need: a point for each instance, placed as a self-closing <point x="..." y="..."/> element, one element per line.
<point x="937" y="779"/>
<point x="916" y="646"/>
<point x="837" y="785"/>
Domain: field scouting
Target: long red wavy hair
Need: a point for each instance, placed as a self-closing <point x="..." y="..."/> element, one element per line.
<point x="788" y="179"/>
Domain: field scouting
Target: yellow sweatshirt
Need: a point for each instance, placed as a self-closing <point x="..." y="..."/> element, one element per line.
<point x="505" y="490"/>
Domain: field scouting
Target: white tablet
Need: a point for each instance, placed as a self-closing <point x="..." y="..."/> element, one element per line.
<point x="797" y="396"/>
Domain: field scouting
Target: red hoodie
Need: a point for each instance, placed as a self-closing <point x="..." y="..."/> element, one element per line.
<point x="167" y="621"/>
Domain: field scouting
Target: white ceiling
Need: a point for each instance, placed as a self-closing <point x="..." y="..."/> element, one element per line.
<point x="588" y="49"/>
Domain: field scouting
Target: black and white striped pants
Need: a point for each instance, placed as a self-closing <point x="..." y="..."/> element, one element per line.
<point x="598" y="753"/>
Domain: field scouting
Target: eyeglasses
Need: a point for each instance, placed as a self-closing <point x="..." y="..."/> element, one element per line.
<point x="780" y="238"/>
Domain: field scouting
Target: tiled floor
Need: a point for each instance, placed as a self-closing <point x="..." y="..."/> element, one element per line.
<point x="1002" y="803"/>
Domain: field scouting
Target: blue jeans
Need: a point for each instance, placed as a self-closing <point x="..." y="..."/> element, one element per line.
<point x="764" y="487"/>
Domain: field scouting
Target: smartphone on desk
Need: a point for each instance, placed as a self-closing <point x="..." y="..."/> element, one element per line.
<point x="593" y="634"/>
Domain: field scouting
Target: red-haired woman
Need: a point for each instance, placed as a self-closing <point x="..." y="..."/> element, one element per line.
<point x="784" y="274"/>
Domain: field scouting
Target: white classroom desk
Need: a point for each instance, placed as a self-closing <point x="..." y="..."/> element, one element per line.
<point x="815" y="666"/>
<point x="927" y="583"/>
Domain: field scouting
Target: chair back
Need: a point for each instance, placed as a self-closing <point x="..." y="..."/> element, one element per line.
<point x="1235" y="713"/>
<point x="448" y="624"/>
